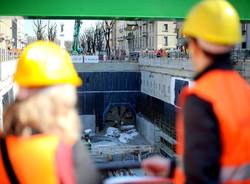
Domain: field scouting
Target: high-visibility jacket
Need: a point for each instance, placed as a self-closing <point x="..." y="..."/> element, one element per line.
<point x="229" y="95"/>
<point x="33" y="159"/>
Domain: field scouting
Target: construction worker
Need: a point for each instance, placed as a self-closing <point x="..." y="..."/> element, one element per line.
<point x="213" y="140"/>
<point x="39" y="144"/>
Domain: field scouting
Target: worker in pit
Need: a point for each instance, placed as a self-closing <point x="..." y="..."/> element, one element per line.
<point x="213" y="124"/>
<point x="39" y="143"/>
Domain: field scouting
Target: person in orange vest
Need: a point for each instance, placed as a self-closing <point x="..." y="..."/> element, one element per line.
<point x="39" y="143"/>
<point x="213" y="140"/>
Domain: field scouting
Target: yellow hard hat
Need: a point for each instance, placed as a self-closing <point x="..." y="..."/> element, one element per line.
<point x="44" y="63"/>
<point x="214" y="21"/>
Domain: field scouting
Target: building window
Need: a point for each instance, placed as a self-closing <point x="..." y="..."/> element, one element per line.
<point x="14" y="32"/>
<point x="244" y="29"/>
<point x="244" y="45"/>
<point x="165" y="41"/>
<point x="166" y="27"/>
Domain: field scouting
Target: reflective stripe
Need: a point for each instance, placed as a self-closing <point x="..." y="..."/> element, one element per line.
<point x="237" y="173"/>
<point x="180" y="162"/>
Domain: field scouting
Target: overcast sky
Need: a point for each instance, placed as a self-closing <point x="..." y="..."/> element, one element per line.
<point x="68" y="26"/>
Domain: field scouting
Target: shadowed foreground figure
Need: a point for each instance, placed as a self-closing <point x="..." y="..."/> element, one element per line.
<point x="213" y="140"/>
<point x="39" y="143"/>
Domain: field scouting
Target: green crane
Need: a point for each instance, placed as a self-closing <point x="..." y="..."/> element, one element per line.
<point x="76" y="42"/>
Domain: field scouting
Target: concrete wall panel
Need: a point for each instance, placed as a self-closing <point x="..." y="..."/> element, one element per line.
<point x="146" y="129"/>
<point x="88" y="122"/>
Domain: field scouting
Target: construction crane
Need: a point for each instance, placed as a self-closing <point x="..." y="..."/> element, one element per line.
<point x="76" y="36"/>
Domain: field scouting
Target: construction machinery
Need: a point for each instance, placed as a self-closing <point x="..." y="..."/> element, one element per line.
<point x="76" y="38"/>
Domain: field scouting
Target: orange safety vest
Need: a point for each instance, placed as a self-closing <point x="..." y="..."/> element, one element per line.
<point x="229" y="96"/>
<point x="33" y="159"/>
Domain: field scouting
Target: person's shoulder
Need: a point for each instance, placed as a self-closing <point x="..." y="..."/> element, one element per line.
<point x="85" y="170"/>
<point x="194" y="101"/>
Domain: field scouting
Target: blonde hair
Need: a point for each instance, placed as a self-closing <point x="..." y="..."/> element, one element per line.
<point x="51" y="110"/>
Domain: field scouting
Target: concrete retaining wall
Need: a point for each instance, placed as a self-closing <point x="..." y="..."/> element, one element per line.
<point x="156" y="85"/>
<point x="162" y="86"/>
<point x="179" y="64"/>
<point x="147" y="129"/>
<point x="107" y="67"/>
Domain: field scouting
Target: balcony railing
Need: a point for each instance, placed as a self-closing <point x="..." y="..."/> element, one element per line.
<point x="6" y="55"/>
<point x="144" y="34"/>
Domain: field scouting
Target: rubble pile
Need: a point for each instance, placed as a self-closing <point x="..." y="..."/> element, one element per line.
<point x="124" y="134"/>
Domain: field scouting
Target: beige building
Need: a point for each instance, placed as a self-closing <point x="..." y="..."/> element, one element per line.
<point x="21" y="36"/>
<point x="121" y="40"/>
<point x="12" y="32"/>
<point x="5" y="32"/>
<point x="119" y="35"/>
<point x="245" y="31"/>
<point x="155" y="35"/>
<point x="144" y="35"/>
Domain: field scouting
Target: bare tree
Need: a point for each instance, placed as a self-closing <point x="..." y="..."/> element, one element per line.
<point x="99" y="37"/>
<point x="93" y="31"/>
<point x="83" y="41"/>
<point x="89" y="40"/>
<point x="92" y="39"/>
<point x="52" y="31"/>
<point x="39" y="29"/>
<point x="107" y="28"/>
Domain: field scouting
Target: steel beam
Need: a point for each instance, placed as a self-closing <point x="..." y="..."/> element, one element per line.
<point x="107" y="9"/>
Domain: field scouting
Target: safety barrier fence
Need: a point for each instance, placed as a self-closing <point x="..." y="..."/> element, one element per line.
<point x="107" y="149"/>
<point x="180" y="55"/>
<point x="105" y="154"/>
<point x="237" y="55"/>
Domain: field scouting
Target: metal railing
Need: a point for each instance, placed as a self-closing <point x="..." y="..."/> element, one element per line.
<point x="176" y="54"/>
<point x="138" y="180"/>
<point x="236" y="56"/>
<point x="107" y="154"/>
<point x="240" y="55"/>
<point x="107" y="149"/>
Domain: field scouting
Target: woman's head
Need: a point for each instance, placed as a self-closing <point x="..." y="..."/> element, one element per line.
<point x="49" y="110"/>
<point x="44" y="64"/>
<point x="212" y="29"/>
<point x="46" y="99"/>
